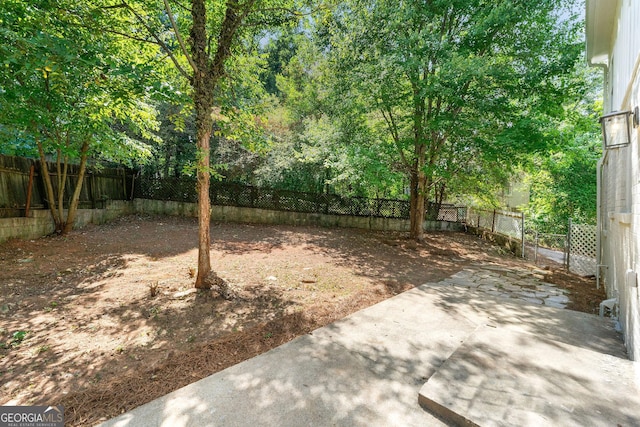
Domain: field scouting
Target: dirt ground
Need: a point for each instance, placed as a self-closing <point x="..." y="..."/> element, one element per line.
<point x="106" y="318"/>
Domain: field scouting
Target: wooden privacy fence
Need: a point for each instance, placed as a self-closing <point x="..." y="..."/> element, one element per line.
<point x="22" y="187"/>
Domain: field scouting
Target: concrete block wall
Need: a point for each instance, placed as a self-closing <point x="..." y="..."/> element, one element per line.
<point x="32" y="227"/>
<point x="39" y="222"/>
<point x="265" y="216"/>
<point x="165" y="207"/>
<point x="509" y="243"/>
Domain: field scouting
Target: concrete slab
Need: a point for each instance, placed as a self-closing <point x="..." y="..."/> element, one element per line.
<point x="501" y="377"/>
<point x="309" y="381"/>
<point x="364" y="370"/>
<point x="369" y="368"/>
<point x="566" y="326"/>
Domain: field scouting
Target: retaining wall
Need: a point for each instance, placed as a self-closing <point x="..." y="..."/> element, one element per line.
<point x="39" y="222"/>
<point x="266" y="216"/>
<point x="509" y="243"/>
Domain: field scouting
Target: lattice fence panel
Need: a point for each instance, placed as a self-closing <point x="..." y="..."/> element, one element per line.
<point x="235" y="194"/>
<point x="582" y="249"/>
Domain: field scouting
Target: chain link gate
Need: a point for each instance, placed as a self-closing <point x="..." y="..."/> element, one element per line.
<point x="551" y="246"/>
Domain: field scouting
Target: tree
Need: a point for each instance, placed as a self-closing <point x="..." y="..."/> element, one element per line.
<point x="563" y="180"/>
<point x="65" y="94"/>
<point x="466" y="80"/>
<point x="215" y="29"/>
<point x="321" y="142"/>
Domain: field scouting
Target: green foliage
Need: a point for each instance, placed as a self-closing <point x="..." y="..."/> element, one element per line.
<point x="472" y="82"/>
<point x="17" y="338"/>
<point x="172" y="157"/>
<point x="320" y="143"/>
<point x="356" y="98"/>
<point x="15" y="143"/>
<point x="462" y="92"/>
<point x="64" y="84"/>
<point x="226" y="96"/>
<point x="279" y="48"/>
<point x="564" y="181"/>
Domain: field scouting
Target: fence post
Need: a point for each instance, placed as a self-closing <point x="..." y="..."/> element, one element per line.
<point x="522" y="232"/>
<point x="124" y="183"/>
<point x="29" y="189"/>
<point x="535" y="251"/>
<point x="493" y="222"/>
<point x="90" y="180"/>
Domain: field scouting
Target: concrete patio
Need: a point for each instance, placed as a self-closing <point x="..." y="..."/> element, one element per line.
<point x="457" y="352"/>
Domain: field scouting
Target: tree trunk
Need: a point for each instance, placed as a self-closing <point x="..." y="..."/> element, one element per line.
<point x="73" y="203"/>
<point x="203" y="83"/>
<point x="207" y="73"/>
<point x="56" y="215"/>
<point x="418" y="177"/>
<point x="434" y="208"/>
<point x="416" y="229"/>
<point x="203" y="124"/>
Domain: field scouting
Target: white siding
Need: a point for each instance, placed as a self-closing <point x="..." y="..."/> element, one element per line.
<point x="625" y="51"/>
<point x="620" y="189"/>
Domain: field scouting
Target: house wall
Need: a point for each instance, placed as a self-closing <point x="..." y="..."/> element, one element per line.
<point x="619" y="192"/>
<point x="517" y="196"/>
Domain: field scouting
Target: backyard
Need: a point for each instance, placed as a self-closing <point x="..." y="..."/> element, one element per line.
<point x="106" y="318"/>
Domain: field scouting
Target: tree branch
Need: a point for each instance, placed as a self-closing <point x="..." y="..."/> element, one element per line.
<point x="115" y="6"/>
<point x="183" y="7"/>
<point x="128" y="36"/>
<point x="387" y="113"/>
<point x="183" y="47"/>
<point x="162" y="44"/>
<point x="230" y="24"/>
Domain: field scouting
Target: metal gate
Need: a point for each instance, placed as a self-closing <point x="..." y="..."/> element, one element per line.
<point x="552" y="247"/>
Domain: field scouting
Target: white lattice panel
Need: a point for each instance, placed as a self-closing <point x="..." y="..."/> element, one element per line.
<point x="582" y="249"/>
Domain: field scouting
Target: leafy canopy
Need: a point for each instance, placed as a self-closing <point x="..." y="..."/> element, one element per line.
<point x="63" y="83"/>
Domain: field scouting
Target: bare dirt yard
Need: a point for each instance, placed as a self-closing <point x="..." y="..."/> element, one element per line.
<point x="106" y="318"/>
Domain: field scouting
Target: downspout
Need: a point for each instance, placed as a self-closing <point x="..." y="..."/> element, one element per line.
<point x="600" y="202"/>
<point x="599" y="221"/>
